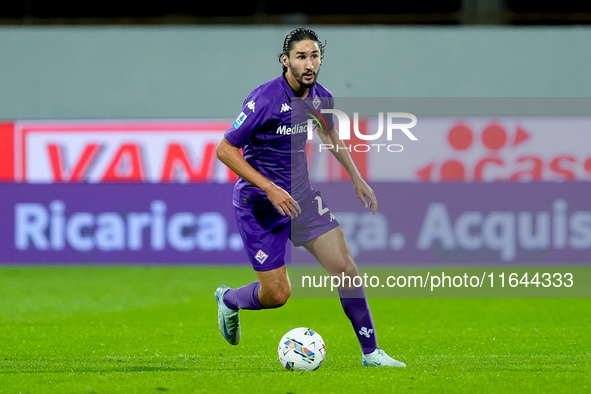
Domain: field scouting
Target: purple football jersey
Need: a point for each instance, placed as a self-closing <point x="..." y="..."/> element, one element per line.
<point x="272" y="142"/>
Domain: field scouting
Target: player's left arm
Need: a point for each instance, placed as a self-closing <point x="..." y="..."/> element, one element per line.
<point x="364" y="192"/>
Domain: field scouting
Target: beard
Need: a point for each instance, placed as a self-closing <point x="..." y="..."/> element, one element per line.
<point x="300" y="78"/>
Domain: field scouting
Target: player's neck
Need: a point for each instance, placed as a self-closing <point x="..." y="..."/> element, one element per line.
<point x="298" y="89"/>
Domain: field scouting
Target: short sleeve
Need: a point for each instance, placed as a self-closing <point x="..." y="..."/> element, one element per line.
<point x="251" y="118"/>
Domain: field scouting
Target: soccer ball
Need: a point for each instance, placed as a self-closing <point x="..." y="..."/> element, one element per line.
<point x="301" y="349"/>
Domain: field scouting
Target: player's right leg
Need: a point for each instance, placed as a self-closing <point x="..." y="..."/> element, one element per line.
<point x="264" y="241"/>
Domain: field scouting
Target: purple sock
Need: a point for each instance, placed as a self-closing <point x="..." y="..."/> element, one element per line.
<point x="245" y="297"/>
<point x="355" y="305"/>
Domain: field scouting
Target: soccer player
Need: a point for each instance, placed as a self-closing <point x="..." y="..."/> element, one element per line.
<point x="273" y="199"/>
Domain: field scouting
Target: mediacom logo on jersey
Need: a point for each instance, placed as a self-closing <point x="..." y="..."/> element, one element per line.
<point x="344" y="129"/>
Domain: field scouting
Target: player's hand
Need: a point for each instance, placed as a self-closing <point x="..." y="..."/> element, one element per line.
<point x="283" y="202"/>
<point x="364" y="193"/>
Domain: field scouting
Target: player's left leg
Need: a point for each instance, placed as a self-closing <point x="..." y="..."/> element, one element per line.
<point x="270" y="291"/>
<point x="332" y="252"/>
<point x="264" y="234"/>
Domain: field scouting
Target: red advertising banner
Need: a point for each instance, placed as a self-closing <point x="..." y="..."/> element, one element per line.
<point x="487" y="149"/>
<point x="119" y="151"/>
<point x="6" y="152"/>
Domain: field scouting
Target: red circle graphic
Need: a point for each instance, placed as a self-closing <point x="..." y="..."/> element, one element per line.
<point x="494" y="136"/>
<point x="460" y="137"/>
<point x="452" y="170"/>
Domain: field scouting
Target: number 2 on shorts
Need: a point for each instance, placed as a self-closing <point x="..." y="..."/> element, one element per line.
<point x="321" y="211"/>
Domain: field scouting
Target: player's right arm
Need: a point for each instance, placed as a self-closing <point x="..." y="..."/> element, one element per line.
<point x="233" y="159"/>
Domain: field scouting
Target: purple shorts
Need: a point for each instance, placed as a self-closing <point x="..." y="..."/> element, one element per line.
<point x="265" y="232"/>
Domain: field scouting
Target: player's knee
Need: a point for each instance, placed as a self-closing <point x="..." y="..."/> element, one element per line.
<point x="281" y="297"/>
<point x="346" y="270"/>
<point x="277" y="298"/>
<point x="351" y="270"/>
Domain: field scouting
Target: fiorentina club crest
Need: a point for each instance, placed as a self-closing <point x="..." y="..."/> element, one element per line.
<point x="316" y="102"/>
<point x="261" y="256"/>
<point x="366" y="332"/>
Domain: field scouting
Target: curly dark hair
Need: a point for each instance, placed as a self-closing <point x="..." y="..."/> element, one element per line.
<point x="297" y="35"/>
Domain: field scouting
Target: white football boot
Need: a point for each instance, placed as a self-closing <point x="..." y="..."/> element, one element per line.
<point x="379" y="358"/>
<point x="228" y="319"/>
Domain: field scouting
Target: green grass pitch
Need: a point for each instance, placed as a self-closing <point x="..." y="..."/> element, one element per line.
<point x="154" y="329"/>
